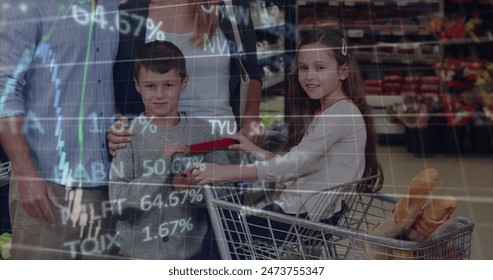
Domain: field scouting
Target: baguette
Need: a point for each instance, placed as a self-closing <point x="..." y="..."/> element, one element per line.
<point x="408" y="207"/>
<point x="435" y="214"/>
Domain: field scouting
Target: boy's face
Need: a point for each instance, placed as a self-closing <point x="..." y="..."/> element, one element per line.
<point x="160" y="92"/>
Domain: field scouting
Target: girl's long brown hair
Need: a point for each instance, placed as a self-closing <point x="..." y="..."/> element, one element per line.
<point x="302" y="108"/>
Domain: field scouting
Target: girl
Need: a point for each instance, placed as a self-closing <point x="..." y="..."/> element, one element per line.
<point x="331" y="141"/>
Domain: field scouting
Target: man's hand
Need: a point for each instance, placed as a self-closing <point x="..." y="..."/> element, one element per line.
<point x="34" y="192"/>
<point x="118" y="135"/>
<point x="35" y="195"/>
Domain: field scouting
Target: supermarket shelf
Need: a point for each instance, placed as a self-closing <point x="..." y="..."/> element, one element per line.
<point x="395" y="58"/>
<point x="380" y="3"/>
<point x="259" y="26"/>
<point x="357" y="31"/>
<point x="382" y="101"/>
<point x="466" y="41"/>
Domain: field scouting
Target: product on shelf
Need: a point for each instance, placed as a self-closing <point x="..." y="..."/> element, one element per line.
<point x="391" y="88"/>
<point x="459" y="74"/>
<point x="454" y="29"/>
<point x="436" y="24"/>
<point x="373" y="87"/>
<point x="262" y="14"/>
<point x="459" y="110"/>
<point x="478" y="28"/>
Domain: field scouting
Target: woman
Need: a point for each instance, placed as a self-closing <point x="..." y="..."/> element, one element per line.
<point x="206" y="38"/>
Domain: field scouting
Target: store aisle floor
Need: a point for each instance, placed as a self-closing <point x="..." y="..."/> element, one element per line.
<point x="467" y="177"/>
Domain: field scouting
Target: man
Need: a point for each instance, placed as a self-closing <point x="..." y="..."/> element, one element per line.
<point x="56" y="101"/>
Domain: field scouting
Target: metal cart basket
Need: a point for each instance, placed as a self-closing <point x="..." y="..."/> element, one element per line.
<point x="308" y="240"/>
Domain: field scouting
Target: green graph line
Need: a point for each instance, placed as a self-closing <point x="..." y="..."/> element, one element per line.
<point x="83" y="93"/>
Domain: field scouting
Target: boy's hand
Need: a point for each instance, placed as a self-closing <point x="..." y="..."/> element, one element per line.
<point x="175" y="147"/>
<point x="208" y="173"/>
<point x="182" y="181"/>
<point x="118" y="135"/>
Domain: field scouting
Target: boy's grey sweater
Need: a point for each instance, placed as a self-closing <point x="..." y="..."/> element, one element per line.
<point x="175" y="224"/>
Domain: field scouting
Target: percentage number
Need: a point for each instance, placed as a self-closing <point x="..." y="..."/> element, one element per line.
<point x="146" y="124"/>
<point x="194" y="195"/>
<point x="158" y="168"/>
<point x="175" y="198"/>
<point x="170" y="228"/>
<point x="83" y="17"/>
<point x="179" y="198"/>
<point x="124" y="22"/>
<point x="154" y="28"/>
<point x="183" y="163"/>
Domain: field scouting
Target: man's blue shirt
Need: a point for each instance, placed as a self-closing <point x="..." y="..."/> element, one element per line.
<point x="56" y="69"/>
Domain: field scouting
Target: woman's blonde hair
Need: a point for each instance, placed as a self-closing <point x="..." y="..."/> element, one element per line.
<point x="205" y="18"/>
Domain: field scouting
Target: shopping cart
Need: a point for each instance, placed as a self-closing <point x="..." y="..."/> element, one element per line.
<point x="306" y="239"/>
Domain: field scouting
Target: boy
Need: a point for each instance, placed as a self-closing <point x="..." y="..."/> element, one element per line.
<point x="161" y="215"/>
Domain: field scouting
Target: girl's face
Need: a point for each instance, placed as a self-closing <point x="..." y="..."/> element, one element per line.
<point x="319" y="73"/>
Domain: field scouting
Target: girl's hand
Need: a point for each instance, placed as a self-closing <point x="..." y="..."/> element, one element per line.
<point x="246" y="146"/>
<point x="182" y="181"/>
<point x="208" y="173"/>
<point x="254" y="130"/>
<point x="118" y="135"/>
<point x="174" y="147"/>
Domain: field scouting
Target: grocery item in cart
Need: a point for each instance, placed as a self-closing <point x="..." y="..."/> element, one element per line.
<point x="434" y="215"/>
<point x="407" y="209"/>
<point x="410" y="221"/>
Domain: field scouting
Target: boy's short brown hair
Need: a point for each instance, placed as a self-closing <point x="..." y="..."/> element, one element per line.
<point x="160" y="57"/>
